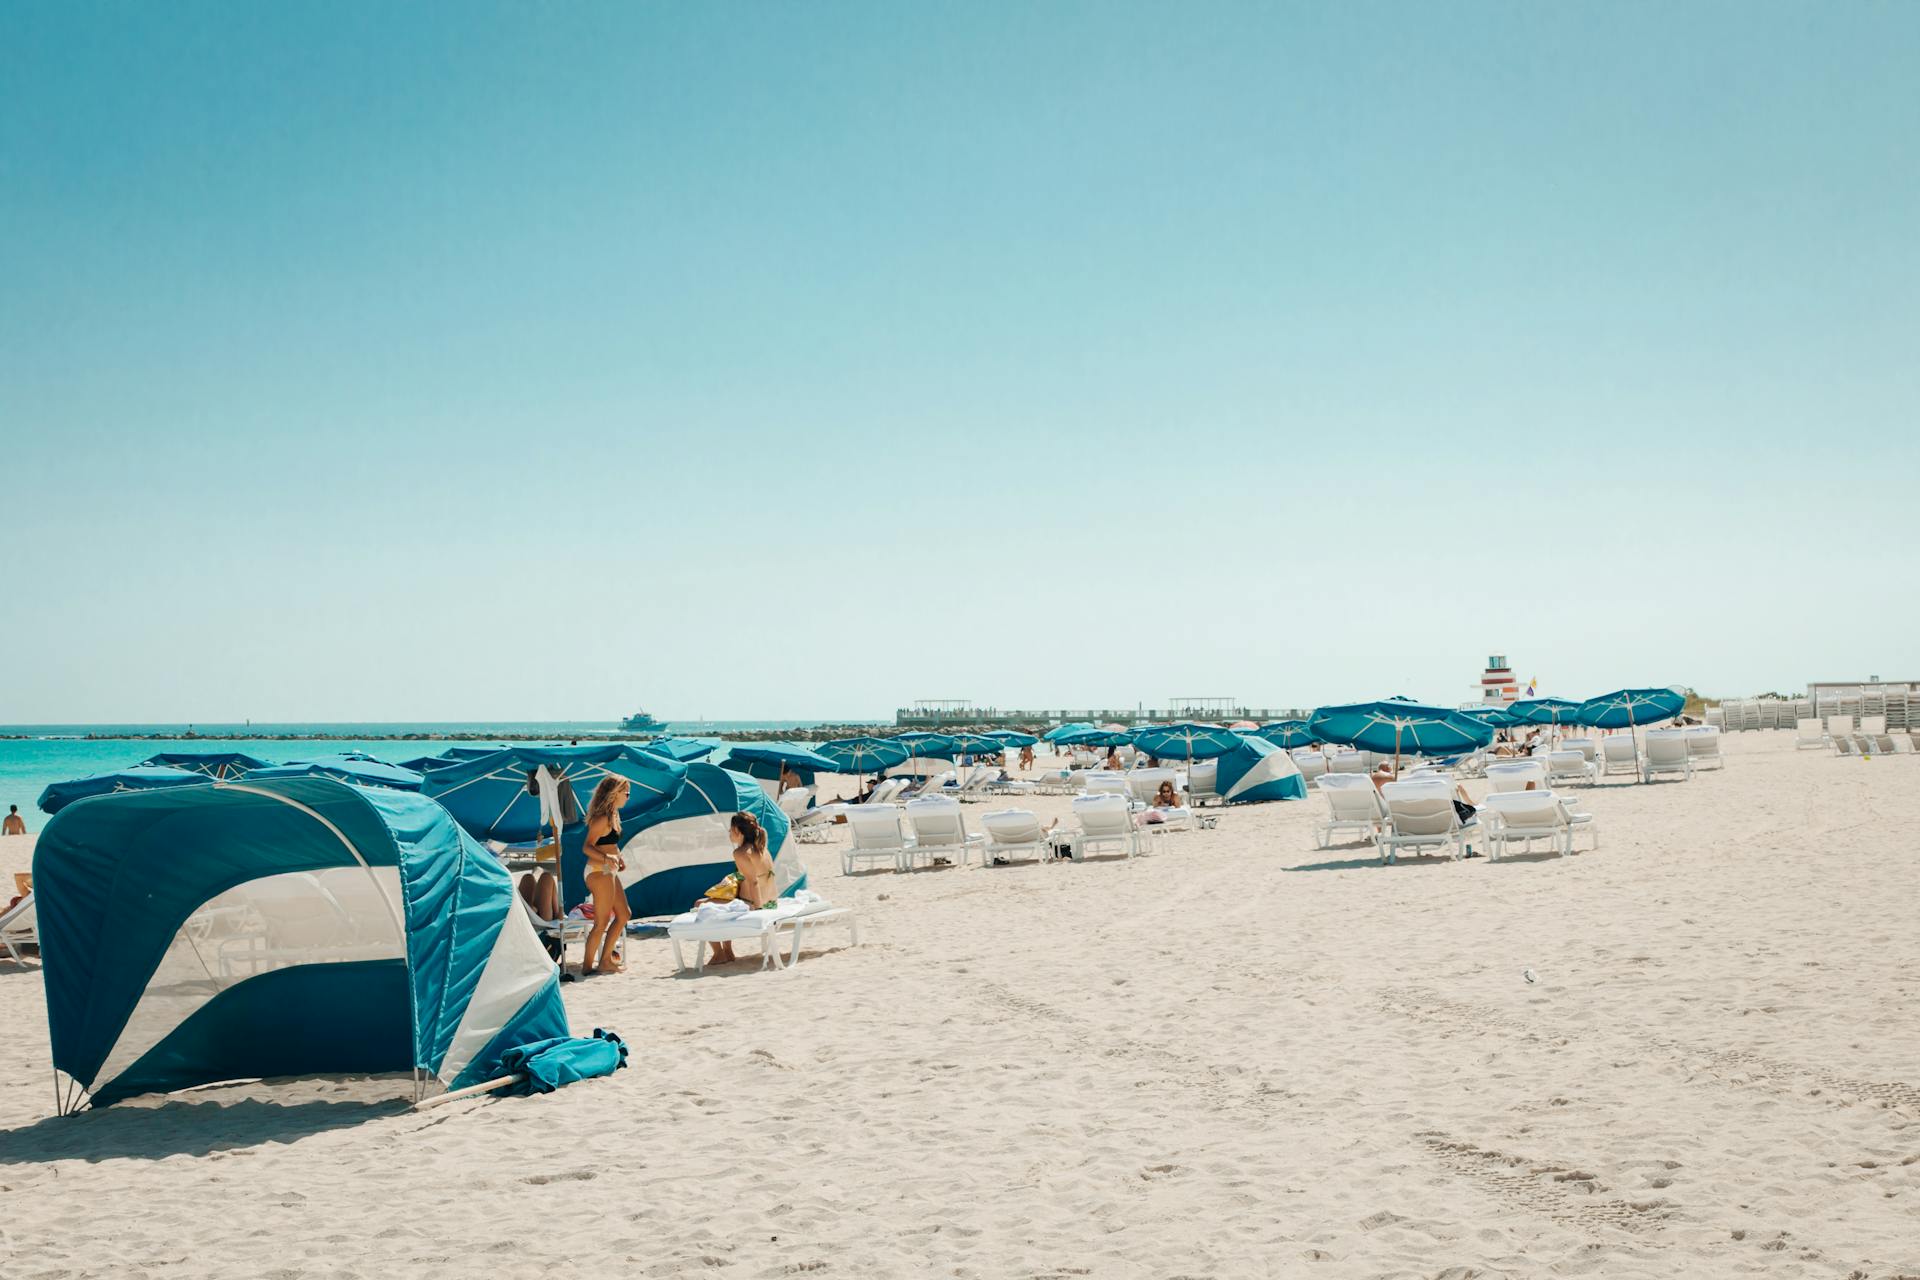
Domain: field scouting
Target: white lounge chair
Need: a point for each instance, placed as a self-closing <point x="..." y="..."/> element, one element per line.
<point x="1902" y="744"/>
<point x="1013" y="832"/>
<point x="1527" y="816"/>
<point x="1808" y="733"/>
<point x="1349" y="762"/>
<point x="1202" y="779"/>
<point x="1570" y="766"/>
<point x="1353" y="804"/>
<point x="1310" y="763"/>
<point x="809" y="826"/>
<point x="1421" y="816"/>
<point x="19" y="928"/>
<point x="1619" y="754"/>
<point x="1703" y="744"/>
<point x="1514" y="775"/>
<point x="1106" y="782"/>
<point x="878" y="836"/>
<point x="1585" y="746"/>
<point x="1839" y="727"/>
<point x="977" y="784"/>
<point x="939" y="833"/>
<point x="1666" y="753"/>
<point x="1873" y="726"/>
<point x="558" y="932"/>
<point x="1106" y="822"/>
<point x="1144" y="784"/>
<point x="1843" y="745"/>
<point x="787" y="915"/>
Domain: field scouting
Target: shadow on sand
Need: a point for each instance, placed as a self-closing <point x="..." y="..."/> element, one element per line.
<point x="178" y="1127"/>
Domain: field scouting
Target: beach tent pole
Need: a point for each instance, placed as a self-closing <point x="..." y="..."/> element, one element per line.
<point x="472" y="1090"/>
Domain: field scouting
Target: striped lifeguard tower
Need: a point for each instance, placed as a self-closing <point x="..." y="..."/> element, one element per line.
<point x="1497" y="685"/>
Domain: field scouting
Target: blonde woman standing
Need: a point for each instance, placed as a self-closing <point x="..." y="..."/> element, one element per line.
<point x="604" y="865"/>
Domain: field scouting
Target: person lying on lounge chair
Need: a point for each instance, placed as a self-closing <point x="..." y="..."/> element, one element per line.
<point x="1164" y="800"/>
<point x="542" y="892"/>
<point x="1113" y="759"/>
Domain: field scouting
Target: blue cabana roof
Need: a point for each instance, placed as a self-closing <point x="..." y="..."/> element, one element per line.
<point x="360" y="931"/>
<point x="58" y="795"/>
<point x="214" y="764"/>
<point x="1059" y="732"/>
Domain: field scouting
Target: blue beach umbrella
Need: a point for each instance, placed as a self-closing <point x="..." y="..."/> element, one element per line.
<point x="1544" y="710"/>
<point x="862" y="755"/>
<point x="1059" y="732"/>
<point x="491" y="800"/>
<point x="361" y="770"/>
<point x="214" y="764"/>
<point x="681" y="749"/>
<point x="1631" y="708"/>
<point x="1013" y="738"/>
<point x="546" y="1065"/>
<point x="1186" y="740"/>
<point x="1286" y="733"/>
<point x="1399" y="727"/>
<point x="921" y="743"/>
<point x="1095" y="736"/>
<point x="768" y="758"/>
<point x="59" y="795"/>
<point x="1498" y="717"/>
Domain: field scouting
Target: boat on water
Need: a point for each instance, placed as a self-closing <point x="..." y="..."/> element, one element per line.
<point x="642" y="722"/>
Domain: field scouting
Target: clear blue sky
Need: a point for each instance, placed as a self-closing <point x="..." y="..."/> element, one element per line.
<point x="406" y="361"/>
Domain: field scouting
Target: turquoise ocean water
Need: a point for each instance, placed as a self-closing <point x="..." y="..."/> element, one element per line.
<point x="33" y="756"/>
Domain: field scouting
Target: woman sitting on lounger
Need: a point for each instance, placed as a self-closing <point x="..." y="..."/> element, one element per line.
<point x="604" y="865"/>
<point x="1165" y="800"/>
<point x="1113" y="759"/>
<point x="752" y="872"/>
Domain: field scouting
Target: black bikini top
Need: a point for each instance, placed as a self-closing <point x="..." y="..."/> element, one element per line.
<point x="612" y="837"/>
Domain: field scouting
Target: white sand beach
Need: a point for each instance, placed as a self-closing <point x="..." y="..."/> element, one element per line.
<point x="1239" y="1056"/>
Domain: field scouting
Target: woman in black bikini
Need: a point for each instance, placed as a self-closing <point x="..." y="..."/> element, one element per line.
<point x="604" y="864"/>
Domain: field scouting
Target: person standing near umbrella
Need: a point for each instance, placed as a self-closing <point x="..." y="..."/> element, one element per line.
<point x="604" y="864"/>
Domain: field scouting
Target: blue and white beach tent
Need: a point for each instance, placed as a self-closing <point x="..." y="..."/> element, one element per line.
<point x="58" y="795"/>
<point x="1255" y="770"/>
<point x="678" y="850"/>
<point x="295" y="926"/>
<point x="215" y="764"/>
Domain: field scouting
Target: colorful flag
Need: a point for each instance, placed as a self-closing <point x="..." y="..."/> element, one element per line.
<point x="1530" y="684"/>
